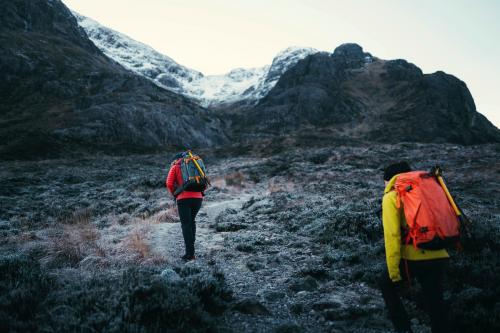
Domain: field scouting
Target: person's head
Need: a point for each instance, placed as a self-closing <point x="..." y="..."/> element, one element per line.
<point x="394" y="169"/>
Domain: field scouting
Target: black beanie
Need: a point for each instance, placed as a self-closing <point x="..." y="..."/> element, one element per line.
<point x="396" y="168"/>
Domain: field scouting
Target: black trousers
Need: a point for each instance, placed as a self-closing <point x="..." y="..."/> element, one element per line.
<point x="188" y="208"/>
<point x="429" y="274"/>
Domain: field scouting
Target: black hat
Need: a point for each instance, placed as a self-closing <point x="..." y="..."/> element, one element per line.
<point x="396" y="168"/>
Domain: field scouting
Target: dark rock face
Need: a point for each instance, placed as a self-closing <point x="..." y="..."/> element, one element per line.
<point x="306" y="95"/>
<point x="350" y="94"/>
<point x="47" y="17"/>
<point x="59" y="91"/>
<point x="350" y="56"/>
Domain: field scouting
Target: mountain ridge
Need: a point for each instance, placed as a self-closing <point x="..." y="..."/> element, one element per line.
<point x="239" y="85"/>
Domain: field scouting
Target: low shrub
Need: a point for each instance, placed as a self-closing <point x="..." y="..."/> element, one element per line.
<point x="135" y="300"/>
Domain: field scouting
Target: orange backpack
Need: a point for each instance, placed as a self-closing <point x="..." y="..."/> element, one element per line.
<point x="432" y="222"/>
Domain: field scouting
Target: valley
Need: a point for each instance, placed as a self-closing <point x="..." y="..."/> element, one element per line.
<point x="286" y="242"/>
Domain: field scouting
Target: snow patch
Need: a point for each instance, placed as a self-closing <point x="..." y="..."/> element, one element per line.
<point x="240" y="84"/>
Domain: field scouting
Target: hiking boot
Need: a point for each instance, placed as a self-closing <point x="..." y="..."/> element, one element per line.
<point x="188" y="258"/>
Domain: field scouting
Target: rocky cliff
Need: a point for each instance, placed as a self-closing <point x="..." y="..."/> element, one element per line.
<point x="351" y="94"/>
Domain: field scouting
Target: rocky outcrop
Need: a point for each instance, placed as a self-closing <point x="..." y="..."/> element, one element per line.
<point x="59" y="92"/>
<point x="350" y="94"/>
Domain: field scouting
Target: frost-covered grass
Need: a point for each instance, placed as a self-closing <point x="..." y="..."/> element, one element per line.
<point x="131" y="299"/>
<point x="293" y="234"/>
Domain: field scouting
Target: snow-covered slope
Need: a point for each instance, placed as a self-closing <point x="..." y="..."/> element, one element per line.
<point x="226" y="88"/>
<point x="137" y="56"/>
<point x="281" y="63"/>
<point x="248" y="85"/>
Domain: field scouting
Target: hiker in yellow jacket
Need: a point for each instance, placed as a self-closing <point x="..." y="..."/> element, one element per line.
<point x="404" y="262"/>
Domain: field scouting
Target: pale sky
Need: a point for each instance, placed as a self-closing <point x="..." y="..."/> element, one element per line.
<point x="459" y="37"/>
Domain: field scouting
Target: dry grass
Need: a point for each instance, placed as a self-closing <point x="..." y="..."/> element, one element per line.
<point x="72" y="245"/>
<point x="66" y="249"/>
<point x="79" y="217"/>
<point x="274" y="186"/>
<point x="27" y="236"/>
<point x="157" y="259"/>
<point x="168" y="215"/>
<point x="76" y="240"/>
<point x="138" y="245"/>
<point x="235" y="179"/>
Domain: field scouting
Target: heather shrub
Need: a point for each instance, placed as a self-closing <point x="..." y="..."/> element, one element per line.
<point x="138" y="299"/>
<point x="24" y="287"/>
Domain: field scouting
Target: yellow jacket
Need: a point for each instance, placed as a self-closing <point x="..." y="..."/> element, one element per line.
<point x="393" y="219"/>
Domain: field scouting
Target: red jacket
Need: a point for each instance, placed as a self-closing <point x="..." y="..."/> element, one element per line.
<point x="174" y="180"/>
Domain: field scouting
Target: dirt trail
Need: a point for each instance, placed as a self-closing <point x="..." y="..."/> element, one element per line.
<point x="259" y="278"/>
<point x="166" y="238"/>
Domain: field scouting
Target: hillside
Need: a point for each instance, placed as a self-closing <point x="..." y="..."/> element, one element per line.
<point x="60" y="92"/>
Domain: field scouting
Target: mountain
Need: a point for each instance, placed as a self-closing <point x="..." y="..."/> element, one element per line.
<point x="138" y="57"/>
<point x="59" y="90"/>
<point x="352" y="94"/>
<point x="243" y="86"/>
<point x="60" y="93"/>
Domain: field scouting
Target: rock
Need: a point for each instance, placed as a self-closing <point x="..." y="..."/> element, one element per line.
<point x="315" y="271"/>
<point x="350" y="55"/>
<point x="229" y="226"/>
<point x="335" y="314"/>
<point x="230" y="211"/>
<point x="245" y="248"/>
<point x="288" y="328"/>
<point x="255" y="264"/>
<point x="305" y="284"/>
<point x="326" y="304"/>
<point x="251" y="306"/>
<point x="273" y="296"/>
<point x="297" y="308"/>
<point x="170" y="275"/>
<point x="401" y="70"/>
<point x="248" y="203"/>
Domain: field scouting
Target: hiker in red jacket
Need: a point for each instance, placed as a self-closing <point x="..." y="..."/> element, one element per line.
<point x="188" y="205"/>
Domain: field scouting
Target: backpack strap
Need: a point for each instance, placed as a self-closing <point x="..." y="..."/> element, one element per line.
<point x="176" y="162"/>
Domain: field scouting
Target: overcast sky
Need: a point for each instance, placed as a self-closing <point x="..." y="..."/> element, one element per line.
<point x="459" y="37"/>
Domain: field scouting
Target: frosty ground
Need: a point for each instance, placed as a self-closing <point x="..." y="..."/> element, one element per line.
<point x="287" y="241"/>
